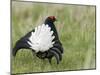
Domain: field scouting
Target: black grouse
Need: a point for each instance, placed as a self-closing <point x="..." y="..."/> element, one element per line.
<point x="43" y="40"/>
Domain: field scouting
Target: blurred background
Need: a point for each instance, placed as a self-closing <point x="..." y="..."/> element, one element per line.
<point x="76" y="27"/>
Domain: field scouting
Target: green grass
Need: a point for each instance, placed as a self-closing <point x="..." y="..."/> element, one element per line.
<point x="76" y="28"/>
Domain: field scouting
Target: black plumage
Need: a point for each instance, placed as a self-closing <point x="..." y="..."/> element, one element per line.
<point x="55" y="51"/>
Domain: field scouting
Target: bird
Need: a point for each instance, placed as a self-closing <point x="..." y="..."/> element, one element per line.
<point x="43" y="40"/>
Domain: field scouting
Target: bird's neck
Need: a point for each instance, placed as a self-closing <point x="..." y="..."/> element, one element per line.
<point x="51" y="24"/>
<point x="53" y="28"/>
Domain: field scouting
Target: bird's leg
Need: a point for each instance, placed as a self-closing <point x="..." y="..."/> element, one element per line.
<point x="41" y="55"/>
<point x="50" y="59"/>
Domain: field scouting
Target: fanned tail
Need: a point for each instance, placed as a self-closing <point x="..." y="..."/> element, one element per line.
<point x="42" y="38"/>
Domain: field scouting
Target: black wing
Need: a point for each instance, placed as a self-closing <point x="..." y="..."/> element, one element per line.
<point x="22" y="43"/>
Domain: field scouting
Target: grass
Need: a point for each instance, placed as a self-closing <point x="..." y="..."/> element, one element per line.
<point x="76" y="28"/>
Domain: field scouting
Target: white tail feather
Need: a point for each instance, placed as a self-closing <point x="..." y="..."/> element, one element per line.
<point x="42" y="38"/>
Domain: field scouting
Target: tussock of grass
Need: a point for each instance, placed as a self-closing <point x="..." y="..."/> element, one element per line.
<point x="76" y="27"/>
